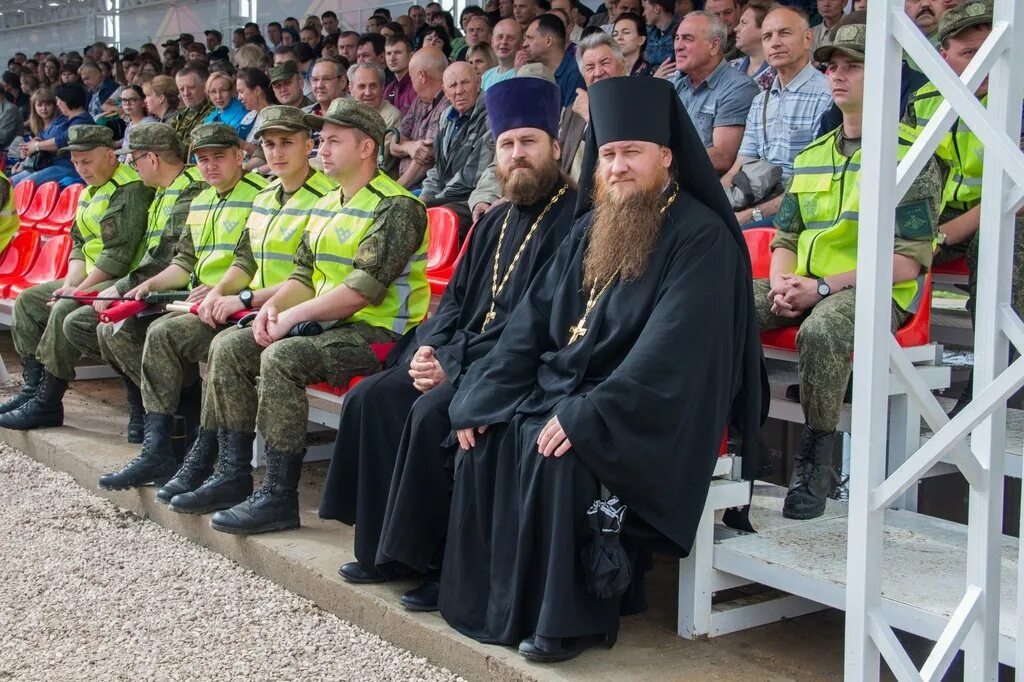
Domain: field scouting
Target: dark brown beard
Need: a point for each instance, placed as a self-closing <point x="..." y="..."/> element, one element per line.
<point x="525" y="189"/>
<point x="623" y="233"/>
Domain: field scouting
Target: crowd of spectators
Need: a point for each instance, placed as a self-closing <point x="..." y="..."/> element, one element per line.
<point x="743" y="71"/>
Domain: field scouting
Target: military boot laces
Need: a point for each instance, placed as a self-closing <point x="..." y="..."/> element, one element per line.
<point x="231" y="482"/>
<point x="155" y="464"/>
<point x="31" y="374"/>
<point x="273" y="506"/>
<point x="136" y="412"/>
<point x="812" y="476"/>
<point x="197" y="467"/>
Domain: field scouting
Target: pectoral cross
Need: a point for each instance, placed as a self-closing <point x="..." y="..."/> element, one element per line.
<point x="577" y="331"/>
<point x="488" y="318"/>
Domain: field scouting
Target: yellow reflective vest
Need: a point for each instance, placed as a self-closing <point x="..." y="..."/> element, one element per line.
<point x="162" y="208"/>
<point x="960" y="150"/>
<point x="216" y="223"/>
<point x="8" y="214"/>
<point x="92" y="206"/>
<point x="275" y="230"/>
<point x="334" y="236"/>
<point x="827" y="187"/>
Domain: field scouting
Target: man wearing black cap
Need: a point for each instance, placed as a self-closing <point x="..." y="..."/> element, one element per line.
<point x="511" y="244"/>
<point x="608" y="375"/>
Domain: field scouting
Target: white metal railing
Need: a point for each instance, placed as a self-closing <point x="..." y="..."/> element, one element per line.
<point x="974" y="625"/>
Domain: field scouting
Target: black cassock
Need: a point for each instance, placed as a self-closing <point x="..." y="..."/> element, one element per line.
<point x="644" y="396"/>
<point x="390" y="435"/>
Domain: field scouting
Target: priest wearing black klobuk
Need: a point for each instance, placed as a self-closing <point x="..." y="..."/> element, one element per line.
<point x="613" y="379"/>
<point x="401" y="415"/>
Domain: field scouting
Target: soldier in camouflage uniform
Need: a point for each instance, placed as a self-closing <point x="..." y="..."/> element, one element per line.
<point x="359" y="279"/>
<point x="210" y="240"/>
<point x="962" y="29"/>
<point x="814" y="260"/>
<point x="191" y="83"/>
<point x="108" y="236"/>
<point x="156" y="152"/>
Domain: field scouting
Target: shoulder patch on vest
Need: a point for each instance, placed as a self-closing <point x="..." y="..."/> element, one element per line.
<point x="914" y="220"/>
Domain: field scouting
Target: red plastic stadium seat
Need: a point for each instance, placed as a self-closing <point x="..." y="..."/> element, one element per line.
<point x="759" y="241"/>
<point x="23" y="195"/>
<point x="63" y="215"/>
<point x="42" y="204"/>
<point x="443" y="247"/>
<point x="953" y="267"/>
<point x="19" y="255"/>
<point x="439" y="278"/>
<point x="381" y="350"/>
<point x="50" y="264"/>
<point x="915" y="332"/>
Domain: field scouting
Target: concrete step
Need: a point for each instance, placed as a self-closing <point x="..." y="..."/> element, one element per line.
<point x="306" y="562"/>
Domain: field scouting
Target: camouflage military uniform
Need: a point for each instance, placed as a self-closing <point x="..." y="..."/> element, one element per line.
<point x="825" y="339"/>
<point x="184" y="120"/>
<point x="47" y="331"/>
<point x="278" y="410"/>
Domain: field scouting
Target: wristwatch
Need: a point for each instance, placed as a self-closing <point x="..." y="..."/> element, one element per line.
<point x="940" y="237"/>
<point x="245" y="296"/>
<point x="756" y="214"/>
<point x="823" y="288"/>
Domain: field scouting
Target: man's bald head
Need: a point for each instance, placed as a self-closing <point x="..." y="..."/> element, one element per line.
<point x="506" y="39"/>
<point x="461" y="86"/>
<point x="429" y="61"/>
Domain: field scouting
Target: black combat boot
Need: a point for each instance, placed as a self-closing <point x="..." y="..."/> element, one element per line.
<point x="197" y="467"/>
<point x="812" y="476"/>
<point x="45" y="408"/>
<point x="274" y="506"/>
<point x="155" y="464"/>
<point x="136" y="412"/>
<point x="230" y="484"/>
<point x="31" y="373"/>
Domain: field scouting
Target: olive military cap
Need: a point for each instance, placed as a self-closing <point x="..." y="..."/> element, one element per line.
<point x="283" y="71"/>
<point x="970" y="13"/>
<point x="351" y="114"/>
<point x="848" y="40"/>
<point x="283" y="118"/>
<point x="214" y="135"/>
<point x="82" y="138"/>
<point x="151" y="137"/>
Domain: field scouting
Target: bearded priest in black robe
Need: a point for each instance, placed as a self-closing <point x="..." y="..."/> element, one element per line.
<point x="621" y="368"/>
<point x="401" y="415"/>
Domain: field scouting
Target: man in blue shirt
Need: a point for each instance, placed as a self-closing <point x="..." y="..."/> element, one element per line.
<point x="661" y="27"/>
<point x="545" y="43"/>
<point x="99" y="90"/>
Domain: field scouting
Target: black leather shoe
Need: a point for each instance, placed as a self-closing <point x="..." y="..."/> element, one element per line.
<point x="45" y="408"/>
<point x="352" y="572"/>
<point x="555" y="650"/>
<point x="136" y="412"/>
<point x="231" y="482"/>
<point x="197" y="467"/>
<point x="31" y="374"/>
<point x="423" y="598"/>
<point x="154" y="465"/>
<point x="274" y="506"/>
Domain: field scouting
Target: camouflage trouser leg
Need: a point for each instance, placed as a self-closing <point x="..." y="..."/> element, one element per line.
<point x="279" y="410"/>
<point x="39" y="329"/>
<point x="825" y="344"/>
<point x="122" y="346"/>
<point x="80" y="329"/>
<point x="175" y="345"/>
<point x="1016" y="276"/>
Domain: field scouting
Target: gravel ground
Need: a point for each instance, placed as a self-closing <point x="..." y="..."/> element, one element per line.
<point x="91" y="592"/>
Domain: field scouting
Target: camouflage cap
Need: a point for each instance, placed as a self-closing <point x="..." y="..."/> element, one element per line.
<point x="848" y="39"/>
<point x="351" y="113"/>
<point x="82" y="138"/>
<point x="213" y="135"/>
<point x="151" y="137"/>
<point x="281" y="117"/>
<point x="283" y="71"/>
<point x="970" y="13"/>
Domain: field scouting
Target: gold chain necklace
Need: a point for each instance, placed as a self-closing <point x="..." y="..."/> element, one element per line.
<point x="497" y="287"/>
<point x="579" y="330"/>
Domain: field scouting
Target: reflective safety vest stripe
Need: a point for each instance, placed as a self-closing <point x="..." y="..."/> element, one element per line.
<point x="960" y="149"/>
<point x="335" y="232"/>
<point x="275" y="230"/>
<point x="8" y="214"/>
<point x="163" y="205"/>
<point x="92" y="205"/>
<point x="216" y="224"/>
<point x="827" y="187"/>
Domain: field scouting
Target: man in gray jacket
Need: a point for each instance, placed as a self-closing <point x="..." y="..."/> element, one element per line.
<point x="463" y="147"/>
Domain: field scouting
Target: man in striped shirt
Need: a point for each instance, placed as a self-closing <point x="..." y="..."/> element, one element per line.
<point x="783" y="119"/>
